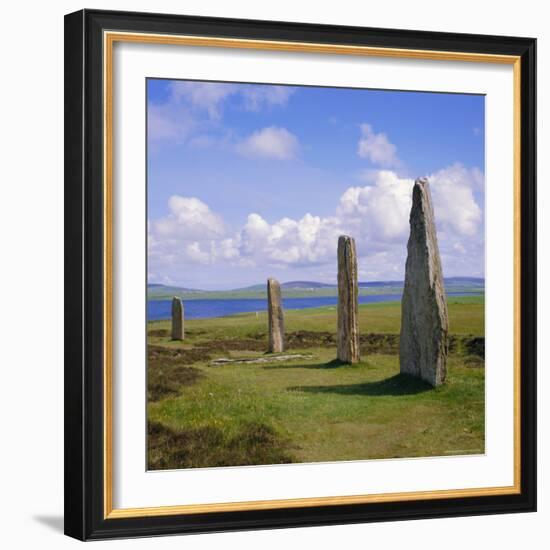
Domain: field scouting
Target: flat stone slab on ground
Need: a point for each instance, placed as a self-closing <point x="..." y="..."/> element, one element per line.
<point x="250" y="360"/>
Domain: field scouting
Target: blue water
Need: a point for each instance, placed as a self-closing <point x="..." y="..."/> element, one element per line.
<point x="202" y="309"/>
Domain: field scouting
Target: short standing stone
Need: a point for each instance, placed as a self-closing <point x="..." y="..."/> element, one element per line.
<point x="275" y="317"/>
<point x="424" y="322"/>
<point x="177" y="319"/>
<point x="348" y="337"/>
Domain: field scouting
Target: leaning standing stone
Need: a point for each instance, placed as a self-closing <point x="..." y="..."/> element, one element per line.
<point x="275" y="317"/>
<point x="177" y="319"/>
<point x="348" y="337"/>
<point x="424" y="322"/>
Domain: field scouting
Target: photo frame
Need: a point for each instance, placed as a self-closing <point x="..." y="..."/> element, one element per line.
<point x="93" y="310"/>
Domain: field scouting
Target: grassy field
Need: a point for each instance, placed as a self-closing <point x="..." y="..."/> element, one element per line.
<point x="309" y="409"/>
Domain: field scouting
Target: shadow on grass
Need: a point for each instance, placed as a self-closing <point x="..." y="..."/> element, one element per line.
<point x="330" y="365"/>
<point x="400" y="384"/>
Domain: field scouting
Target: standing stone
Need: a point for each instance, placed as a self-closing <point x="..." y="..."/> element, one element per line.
<point x="348" y="336"/>
<point x="275" y="317"/>
<point x="424" y="341"/>
<point x="177" y="319"/>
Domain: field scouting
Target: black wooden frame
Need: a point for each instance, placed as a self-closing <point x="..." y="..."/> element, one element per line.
<point x="84" y="518"/>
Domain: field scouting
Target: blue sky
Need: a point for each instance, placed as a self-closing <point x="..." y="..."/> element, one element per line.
<point x="250" y="181"/>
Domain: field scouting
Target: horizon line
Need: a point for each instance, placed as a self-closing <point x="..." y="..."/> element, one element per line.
<point x="335" y="284"/>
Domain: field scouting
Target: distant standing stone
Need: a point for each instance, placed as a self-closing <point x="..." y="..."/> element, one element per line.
<point x="177" y="319"/>
<point x="348" y="337"/>
<point x="275" y="317"/>
<point x="424" y="341"/>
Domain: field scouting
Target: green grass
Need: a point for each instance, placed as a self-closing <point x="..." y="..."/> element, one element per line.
<point x="310" y="410"/>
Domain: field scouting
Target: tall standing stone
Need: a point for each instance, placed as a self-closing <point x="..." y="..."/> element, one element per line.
<point x="177" y="319"/>
<point x="275" y="317"/>
<point x="424" y="341"/>
<point x="348" y="336"/>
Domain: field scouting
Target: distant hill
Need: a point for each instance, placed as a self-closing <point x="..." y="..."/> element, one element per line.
<point x="306" y="284"/>
<point x="449" y="281"/>
<point x="297" y="285"/>
<point x="170" y="287"/>
<point x="305" y="288"/>
<point x="478" y="281"/>
<point x="251" y="288"/>
<point x="377" y="284"/>
<point x="157" y="290"/>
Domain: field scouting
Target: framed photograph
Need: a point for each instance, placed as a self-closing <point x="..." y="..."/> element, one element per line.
<point x="300" y="274"/>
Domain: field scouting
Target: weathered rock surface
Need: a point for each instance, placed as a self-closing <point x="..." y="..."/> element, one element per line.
<point x="348" y="337"/>
<point x="275" y="317"/>
<point x="177" y="319"/>
<point x="424" y="342"/>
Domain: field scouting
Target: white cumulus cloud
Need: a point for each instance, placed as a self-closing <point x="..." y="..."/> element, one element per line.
<point x="260" y="97"/>
<point x="194" y="253"/>
<point x="376" y="147"/>
<point x="379" y="212"/>
<point x="376" y="215"/>
<point x="456" y="208"/>
<point x="207" y="96"/>
<point x="272" y="142"/>
<point x="167" y="122"/>
<point x="210" y="97"/>
<point x="189" y="218"/>
<point x="309" y="240"/>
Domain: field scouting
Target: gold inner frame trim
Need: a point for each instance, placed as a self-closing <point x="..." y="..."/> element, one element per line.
<point x="109" y="39"/>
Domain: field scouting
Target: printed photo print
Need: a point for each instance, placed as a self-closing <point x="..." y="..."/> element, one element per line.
<point x="315" y="274"/>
